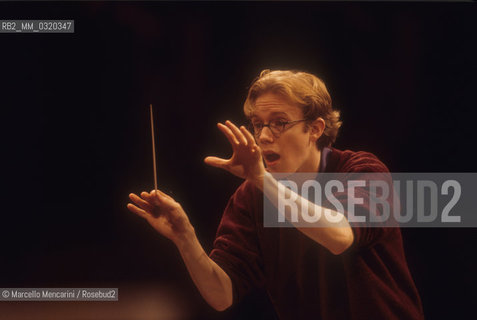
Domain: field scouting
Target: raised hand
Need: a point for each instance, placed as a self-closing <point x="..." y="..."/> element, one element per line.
<point x="163" y="213"/>
<point x="246" y="161"/>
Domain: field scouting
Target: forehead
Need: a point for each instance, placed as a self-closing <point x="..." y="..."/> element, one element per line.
<point x="271" y="104"/>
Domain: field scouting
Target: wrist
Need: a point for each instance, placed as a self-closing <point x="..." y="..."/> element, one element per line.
<point x="258" y="181"/>
<point x="190" y="248"/>
<point x="187" y="240"/>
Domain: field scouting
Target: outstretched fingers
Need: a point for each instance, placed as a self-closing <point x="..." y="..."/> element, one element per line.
<point x="238" y="134"/>
<point x="229" y="134"/>
<point x="250" y="139"/>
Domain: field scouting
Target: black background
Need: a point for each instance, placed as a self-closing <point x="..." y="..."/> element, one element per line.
<point x="76" y="140"/>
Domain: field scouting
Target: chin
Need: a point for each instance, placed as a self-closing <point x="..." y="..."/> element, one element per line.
<point x="280" y="170"/>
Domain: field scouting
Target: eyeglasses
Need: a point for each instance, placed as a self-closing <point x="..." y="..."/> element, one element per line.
<point x="276" y="126"/>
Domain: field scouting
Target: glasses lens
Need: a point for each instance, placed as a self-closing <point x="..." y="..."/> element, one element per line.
<point x="277" y="127"/>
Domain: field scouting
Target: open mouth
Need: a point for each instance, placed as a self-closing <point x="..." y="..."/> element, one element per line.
<point x="271" y="158"/>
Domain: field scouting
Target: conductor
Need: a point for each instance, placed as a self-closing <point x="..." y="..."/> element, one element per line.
<point x="331" y="271"/>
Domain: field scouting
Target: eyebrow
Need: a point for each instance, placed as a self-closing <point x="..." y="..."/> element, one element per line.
<point x="276" y="113"/>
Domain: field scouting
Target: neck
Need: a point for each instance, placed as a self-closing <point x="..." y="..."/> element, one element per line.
<point x="313" y="162"/>
<point x="312" y="165"/>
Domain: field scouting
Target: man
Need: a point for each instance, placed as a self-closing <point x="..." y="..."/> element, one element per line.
<point x="332" y="270"/>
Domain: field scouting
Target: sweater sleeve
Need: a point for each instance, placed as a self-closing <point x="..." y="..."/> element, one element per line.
<point x="367" y="233"/>
<point x="236" y="249"/>
<point x="366" y="167"/>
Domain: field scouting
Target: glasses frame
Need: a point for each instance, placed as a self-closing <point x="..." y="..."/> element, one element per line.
<point x="256" y="133"/>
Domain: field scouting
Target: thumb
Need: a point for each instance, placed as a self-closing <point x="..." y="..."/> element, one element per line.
<point x="155" y="198"/>
<point x="216" y="162"/>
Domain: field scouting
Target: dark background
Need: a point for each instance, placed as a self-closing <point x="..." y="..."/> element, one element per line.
<point x="76" y="139"/>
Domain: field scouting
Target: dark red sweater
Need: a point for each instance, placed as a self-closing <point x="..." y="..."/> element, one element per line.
<point x="371" y="280"/>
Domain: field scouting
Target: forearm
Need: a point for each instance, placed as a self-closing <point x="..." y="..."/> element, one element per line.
<point x="213" y="283"/>
<point x="334" y="234"/>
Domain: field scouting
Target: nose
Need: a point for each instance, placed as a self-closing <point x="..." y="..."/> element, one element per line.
<point x="266" y="135"/>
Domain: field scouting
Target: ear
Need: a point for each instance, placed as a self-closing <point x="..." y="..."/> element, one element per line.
<point x="317" y="128"/>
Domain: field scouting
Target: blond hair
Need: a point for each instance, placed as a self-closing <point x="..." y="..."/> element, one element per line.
<point x="301" y="88"/>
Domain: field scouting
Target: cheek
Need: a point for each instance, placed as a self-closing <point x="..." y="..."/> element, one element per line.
<point x="294" y="150"/>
